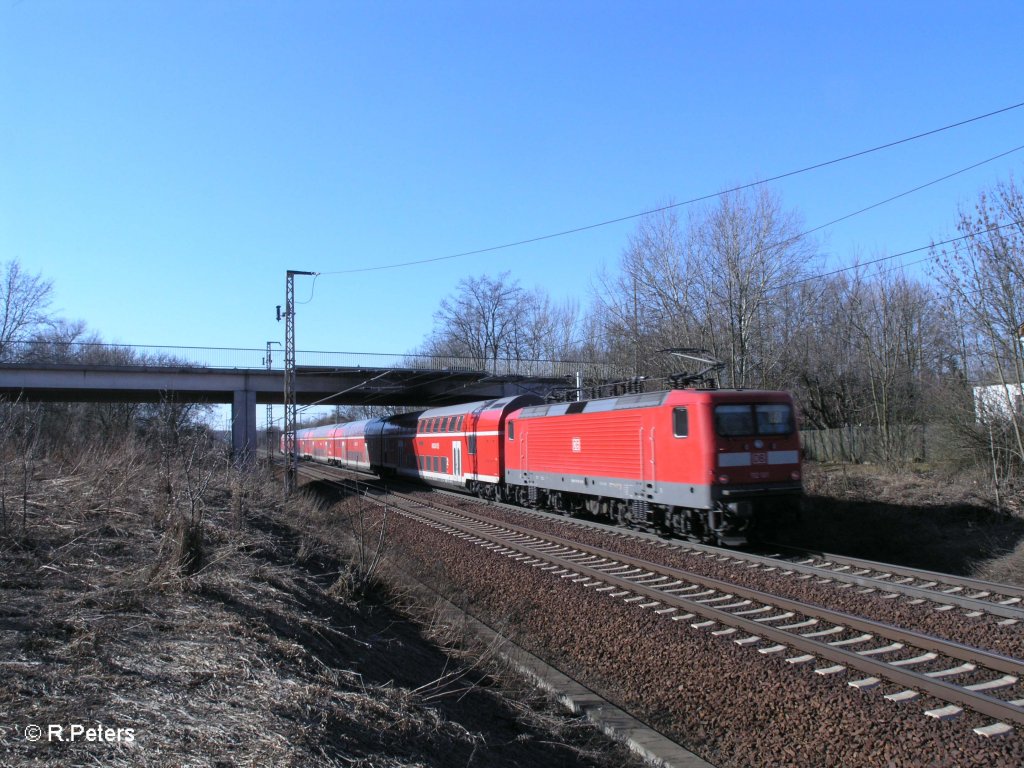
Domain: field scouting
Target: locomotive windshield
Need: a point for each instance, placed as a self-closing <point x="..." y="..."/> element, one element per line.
<point x="753" y="419"/>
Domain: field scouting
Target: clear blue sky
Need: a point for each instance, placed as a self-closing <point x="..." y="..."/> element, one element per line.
<point x="165" y="162"/>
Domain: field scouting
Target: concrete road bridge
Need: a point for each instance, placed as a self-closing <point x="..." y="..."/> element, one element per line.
<point x="243" y="378"/>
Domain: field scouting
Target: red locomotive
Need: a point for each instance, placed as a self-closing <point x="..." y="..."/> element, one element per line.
<point x="708" y="464"/>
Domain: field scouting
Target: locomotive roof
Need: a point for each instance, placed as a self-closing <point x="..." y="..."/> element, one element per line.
<point x="643" y="400"/>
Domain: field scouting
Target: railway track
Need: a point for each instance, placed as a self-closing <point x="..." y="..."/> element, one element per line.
<point x="1003" y="602"/>
<point x="866" y="653"/>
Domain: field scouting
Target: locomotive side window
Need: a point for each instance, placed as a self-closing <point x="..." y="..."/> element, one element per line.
<point x="511" y="429"/>
<point x="680" y="422"/>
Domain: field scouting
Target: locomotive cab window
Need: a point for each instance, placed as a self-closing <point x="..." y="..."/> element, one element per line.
<point x="747" y="420"/>
<point x="511" y="430"/>
<point x="680" y="422"/>
<point x="774" y="419"/>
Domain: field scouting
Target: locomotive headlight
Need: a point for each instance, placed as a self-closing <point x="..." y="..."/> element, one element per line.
<point x="795" y="475"/>
<point x="723" y="479"/>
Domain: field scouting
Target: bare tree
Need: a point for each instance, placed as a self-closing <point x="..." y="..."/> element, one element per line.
<point x="749" y="251"/>
<point x="984" y="278"/>
<point x="477" y="321"/>
<point x="726" y="282"/>
<point x="825" y="372"/>
<point x="899" y="335"/>
<point x="490" y="319"/>
<point x="24" y="301"/>
<point x="649" y="304"/>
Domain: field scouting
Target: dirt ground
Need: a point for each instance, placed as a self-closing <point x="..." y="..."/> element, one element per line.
<point x="263" y="656"/>
<point x="272" y="649"/>
<point x="916" y="517"/>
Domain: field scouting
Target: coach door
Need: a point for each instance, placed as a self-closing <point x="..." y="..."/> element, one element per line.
<point x="457" y="459"/>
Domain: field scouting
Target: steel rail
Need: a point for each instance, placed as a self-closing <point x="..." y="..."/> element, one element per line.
<point x="863" y="580"/>
<point x="974" y="700"/>
<point x="1009" y="590"/>
<point x="950" y="648"/>
<point x="966" y="602"/>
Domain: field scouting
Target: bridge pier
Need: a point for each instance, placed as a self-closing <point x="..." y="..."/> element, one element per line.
<point x="243" y="425"/>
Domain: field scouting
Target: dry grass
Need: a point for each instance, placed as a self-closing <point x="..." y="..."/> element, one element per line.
<point x="265" y="651"/>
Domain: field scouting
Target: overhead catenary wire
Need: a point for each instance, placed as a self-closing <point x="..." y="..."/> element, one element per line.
<point x="691" y="201"/>
<point x="932" y="245"/>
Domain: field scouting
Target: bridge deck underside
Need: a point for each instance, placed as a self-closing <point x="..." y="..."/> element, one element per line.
<point x="348" y="386"/>
<point x="245" y="388"/>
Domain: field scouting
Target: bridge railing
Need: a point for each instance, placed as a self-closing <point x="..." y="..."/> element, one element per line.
<point x="78" y="353"/>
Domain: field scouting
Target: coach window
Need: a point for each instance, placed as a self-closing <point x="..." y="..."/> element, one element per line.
<point x="511" y="430"/>
<point x="680" y="422"/>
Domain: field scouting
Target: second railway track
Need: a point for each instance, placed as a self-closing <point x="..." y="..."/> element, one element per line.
<point x="936" y="676"/>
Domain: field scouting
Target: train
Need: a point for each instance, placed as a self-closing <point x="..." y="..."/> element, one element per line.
<point x="715" y="465"/>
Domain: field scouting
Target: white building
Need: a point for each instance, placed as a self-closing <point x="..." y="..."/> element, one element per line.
<point x="998" y="400"/>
